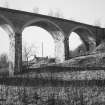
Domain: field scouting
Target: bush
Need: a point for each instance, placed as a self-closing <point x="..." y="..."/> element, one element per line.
<point x="4" y="61"/>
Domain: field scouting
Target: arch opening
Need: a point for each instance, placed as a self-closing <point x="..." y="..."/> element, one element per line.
<point x="37" y="42"/>
<point x="55" y="43"/>
<point x="7" y="49"/>
<point x="81" y="42"/>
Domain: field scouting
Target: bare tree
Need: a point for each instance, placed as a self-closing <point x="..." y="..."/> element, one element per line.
<point x="6" y="4"/>
<point x="72" y="18"/>
<point x="4" y="61"/>
<point x="97" y="22"/>
<point x="58" y="13"/>
<point x="35" y="10"/>
<point x="50" y="13"/>
<point x="28" y="52"/>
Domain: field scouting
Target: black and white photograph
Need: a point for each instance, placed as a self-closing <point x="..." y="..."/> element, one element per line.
<point x="52" y="52"/>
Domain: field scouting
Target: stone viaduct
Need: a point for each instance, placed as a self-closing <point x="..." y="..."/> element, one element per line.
<point x="14" y="22"/>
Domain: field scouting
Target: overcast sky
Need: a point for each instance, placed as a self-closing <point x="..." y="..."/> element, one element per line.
<point x="86" y="11"/>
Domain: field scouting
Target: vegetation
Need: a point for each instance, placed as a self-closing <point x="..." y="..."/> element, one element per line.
<point x="58" y="13"/>
<point x="97" y="22"/>
<point x="4" y="65"/>
<point x="4" y="61"/>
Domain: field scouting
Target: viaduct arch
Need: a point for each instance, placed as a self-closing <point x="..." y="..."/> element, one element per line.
<point x="86" y="36"/>
<point x="56" y="33"/>
<point x="15" y="21"/>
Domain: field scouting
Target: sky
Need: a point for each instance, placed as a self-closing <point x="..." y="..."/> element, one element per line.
<point x="85" y="11"/>
<point x="4" y="42"/>
<point x="42" y="38"/>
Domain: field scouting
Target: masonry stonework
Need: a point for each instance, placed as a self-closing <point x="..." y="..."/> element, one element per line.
<point x="18" y="20"/>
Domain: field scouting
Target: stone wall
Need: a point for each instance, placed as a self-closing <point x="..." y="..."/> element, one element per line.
<point x="22" y="95"/>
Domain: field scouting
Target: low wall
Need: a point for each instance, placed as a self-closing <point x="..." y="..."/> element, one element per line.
<point x="13" y="95"/>
<point x="63" y="88"/>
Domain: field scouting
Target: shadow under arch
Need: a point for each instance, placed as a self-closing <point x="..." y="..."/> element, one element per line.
<point x="86" y="36"/>
<point x="9" y="28"/>
<point x="56" y="33"/>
